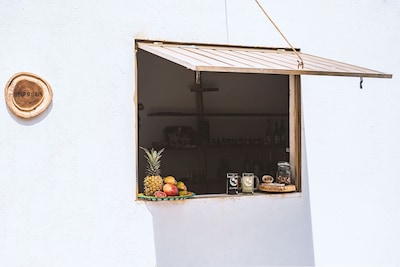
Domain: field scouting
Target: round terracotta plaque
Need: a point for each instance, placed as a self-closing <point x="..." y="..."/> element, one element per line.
<point x="27" y="95"/>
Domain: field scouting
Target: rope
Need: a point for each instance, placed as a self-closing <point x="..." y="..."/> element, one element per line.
<point x="300" y="62"/>
<point x="226" y="22"/>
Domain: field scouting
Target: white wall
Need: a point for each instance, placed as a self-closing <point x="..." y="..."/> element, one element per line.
<point x="68" y="177"/>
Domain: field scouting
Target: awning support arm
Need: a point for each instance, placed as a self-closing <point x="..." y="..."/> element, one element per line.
<point x="300" y="61"/>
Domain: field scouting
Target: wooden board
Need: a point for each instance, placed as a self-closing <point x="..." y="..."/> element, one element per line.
<point x="271" y="188"/>
<point x="27" y="95"/>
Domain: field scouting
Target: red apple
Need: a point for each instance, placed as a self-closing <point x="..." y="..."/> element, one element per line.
<point x="170" y="190"/>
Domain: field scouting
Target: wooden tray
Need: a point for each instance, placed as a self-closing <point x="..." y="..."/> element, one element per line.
<point x="277" y="189"/>
<point x="152" y="198"/>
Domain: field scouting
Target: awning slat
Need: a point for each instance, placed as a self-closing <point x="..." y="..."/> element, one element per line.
<point x="224" y="58"/>
<point x="288" y="59"/>
<point x="193" y="53"/>
<point x="328" y="64"/>
<point x="245" y="59"/>
<point x="265" y="62"/>
<point x="187" y="62"/>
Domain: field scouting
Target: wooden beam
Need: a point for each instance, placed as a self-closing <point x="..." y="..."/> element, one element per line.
<point x="295" y="128"/>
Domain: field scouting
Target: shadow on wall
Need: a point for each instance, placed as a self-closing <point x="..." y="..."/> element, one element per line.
<point x="247" y="230"/>
<point x="32" y="121"/>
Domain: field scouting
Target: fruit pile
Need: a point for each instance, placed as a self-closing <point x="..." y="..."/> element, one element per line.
<point x="172" y="187"/>
<point x="154" y="184"/>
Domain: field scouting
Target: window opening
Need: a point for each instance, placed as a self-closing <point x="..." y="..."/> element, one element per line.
<point x="214" y="123"/>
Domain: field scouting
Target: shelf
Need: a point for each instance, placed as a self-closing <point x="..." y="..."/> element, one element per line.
<point x="242" y="145"/>
<point x="215" y="114"/>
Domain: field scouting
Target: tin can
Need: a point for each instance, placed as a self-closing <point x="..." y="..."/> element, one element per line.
<point x="232" y="183"/>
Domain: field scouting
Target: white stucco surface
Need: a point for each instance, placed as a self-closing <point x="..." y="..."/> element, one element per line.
<point x="67" y="177"/>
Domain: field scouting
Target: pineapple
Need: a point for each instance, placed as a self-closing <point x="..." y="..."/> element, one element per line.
<point x="153" y="181"/>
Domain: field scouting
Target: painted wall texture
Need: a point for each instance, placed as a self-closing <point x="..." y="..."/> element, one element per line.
<point x="68" y="178"/>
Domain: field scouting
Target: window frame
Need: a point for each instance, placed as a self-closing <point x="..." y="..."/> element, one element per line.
<point x="294" y="118"/>
<point x="295" y="134"/>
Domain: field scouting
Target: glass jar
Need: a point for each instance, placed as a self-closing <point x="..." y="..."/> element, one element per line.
<point x="283" y="174"/>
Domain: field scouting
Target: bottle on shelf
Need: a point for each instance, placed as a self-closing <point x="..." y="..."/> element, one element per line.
<point x="224" y="142"/>
<point x="213" y="142"/>
<point x="246" y="164"/>
<point x="277" y="136"/>
<point x="268" y="134"/>
<point x="282" y="134"/>
<point x="223" y="168"/>
<point x="270" y="168"/>
<point x="258" y="167"/>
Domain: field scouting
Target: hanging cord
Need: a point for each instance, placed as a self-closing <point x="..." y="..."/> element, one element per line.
<point x="300" y="62"/>
<point x="226" y="22"/>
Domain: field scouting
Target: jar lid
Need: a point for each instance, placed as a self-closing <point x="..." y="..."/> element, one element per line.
<point x="284" y="163"/>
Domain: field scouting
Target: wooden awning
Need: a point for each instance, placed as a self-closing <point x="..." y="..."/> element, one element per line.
<point x="240" y="59"/>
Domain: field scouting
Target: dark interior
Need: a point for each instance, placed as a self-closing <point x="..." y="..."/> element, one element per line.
<point x="226" y="122"/>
